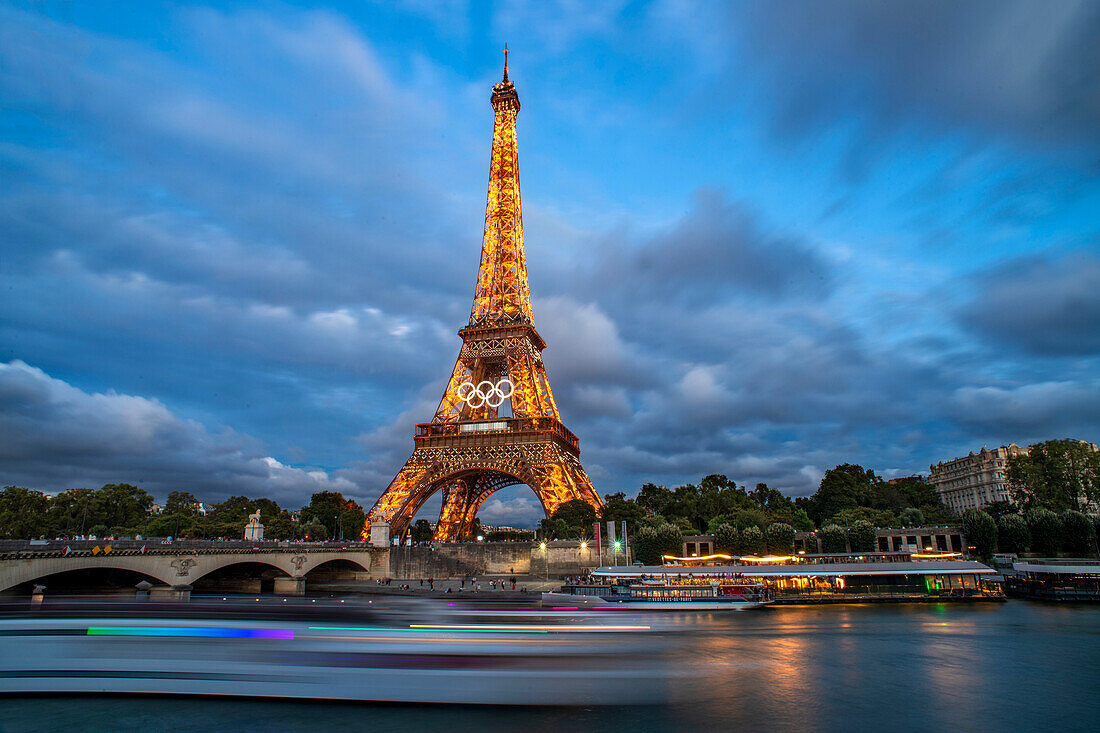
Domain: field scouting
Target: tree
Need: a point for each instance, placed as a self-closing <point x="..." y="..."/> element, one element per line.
<point x="578" y="515"/>
<point x="325" y="508"/>
<point x="752" y="541"/>
<point x="654" y="499"/>
<point x="122" y="505"/>
<point x="727" y="540"/>
<point x="281" y="526"/>
<point x="315" y="532"/>
<point x="780" y="538"/>
<point x="352" y="519"/>
<point x="833" y="539"/>
<point x="652" y="543"/>
<point x="1078" y="534"/>
<point x="617" y="508"/>
<point x="911" y="517"/>
<point x="22" y="513"/>
<point x="182" y="502"/>
<point x="874" y="517"/>
<point x="846" y="486"/>
<point x="1060" y="475"/>
<point x="862" y="536"/>
<point x="1012" y="533"/>
<point x="981" y="532"/>
<point x="170" y="525"/>
<point x="1046" y="531"/>
<point x="749" y="518"/>
<point x="422" y="531"/>
<point x="69" y="511"/>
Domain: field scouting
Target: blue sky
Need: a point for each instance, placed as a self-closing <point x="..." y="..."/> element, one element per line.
<point x="236" y="241"/>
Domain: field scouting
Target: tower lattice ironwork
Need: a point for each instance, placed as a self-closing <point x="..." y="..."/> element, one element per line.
<point x="471" y="448"/>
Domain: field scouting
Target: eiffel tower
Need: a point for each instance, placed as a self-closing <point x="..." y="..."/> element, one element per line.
<point x="471" y="448"/>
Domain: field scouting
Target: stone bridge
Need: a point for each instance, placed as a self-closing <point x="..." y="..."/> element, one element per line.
<point x="178" y="565"/>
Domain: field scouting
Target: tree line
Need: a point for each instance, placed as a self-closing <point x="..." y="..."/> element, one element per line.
<point x="124" y="510"/>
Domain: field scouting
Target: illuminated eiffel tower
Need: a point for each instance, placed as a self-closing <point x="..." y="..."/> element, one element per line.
<point x="471" y="448"/>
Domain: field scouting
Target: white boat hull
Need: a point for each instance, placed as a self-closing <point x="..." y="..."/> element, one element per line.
<point x="695" y="604"/>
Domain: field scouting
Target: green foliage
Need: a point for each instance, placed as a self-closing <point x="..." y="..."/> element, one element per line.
<point x="421" y="531"/>
<point x="780" y="538"/>
<point x="122" y="505"/>
<point x="727" y="540"/>
<point x="833" y="539"/>
<point x="171" y="525"/>
<point x="874" y="517"/>
<point x="352" y="521"/>
<point x="1046" y="531"/>
<point x="911" y="517"/>
<point x="617" y="508"/>
<point x="314" y="532"/>
<point x="811" y="544"/>
<point x="22" y="513"/>
<point x="652" y="543"/>
<point x="752" y="541"/>
<point x="981" y="532"/>
<point x="1060" y="475"/>
<point x="578" y="515"/>
<point x="749" y="518"/>
<point x="849" y="487"/>
<point x="182" y="502"/>
<point x="654" y="499"/>
<point x="801" y="521"/>
<point x="1078" y="534"/>
<point x="1013" y="534"/>
<point x="845" y="487"/>
<point x="861" y="536"/>
<point x="325" y="508"/>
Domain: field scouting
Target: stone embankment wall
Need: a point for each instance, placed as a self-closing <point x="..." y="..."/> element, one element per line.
<point x="460" y="559"/>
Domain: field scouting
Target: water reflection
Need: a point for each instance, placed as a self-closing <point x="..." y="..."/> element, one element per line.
<point x="981" y="667"/>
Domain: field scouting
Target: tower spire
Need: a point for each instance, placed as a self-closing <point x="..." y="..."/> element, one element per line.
<point x="502" y="293"/>
<point x="505" y="62"/>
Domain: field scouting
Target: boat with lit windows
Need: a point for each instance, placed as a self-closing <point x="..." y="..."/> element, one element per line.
<point x="660" y="595"/>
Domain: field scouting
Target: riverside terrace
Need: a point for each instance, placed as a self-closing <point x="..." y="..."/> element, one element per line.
<point x="848" y="582"/>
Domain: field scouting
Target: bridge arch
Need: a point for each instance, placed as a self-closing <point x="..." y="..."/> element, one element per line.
<point x="25" y="570"/>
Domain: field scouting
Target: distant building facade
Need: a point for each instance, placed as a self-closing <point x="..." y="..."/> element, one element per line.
<point x="974" y="481"/>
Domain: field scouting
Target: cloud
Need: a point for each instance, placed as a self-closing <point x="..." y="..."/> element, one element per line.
<point x="1043" y="305"/>
<point x="55" y="436"/>
<point x="1036" y="411"/>
<point x="1017" y="68"/>
<point x="716" y="251"/>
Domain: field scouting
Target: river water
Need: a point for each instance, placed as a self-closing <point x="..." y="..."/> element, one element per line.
<point x="982" y="667"/>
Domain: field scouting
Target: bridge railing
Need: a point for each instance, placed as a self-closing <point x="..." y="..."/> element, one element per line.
<point x="13" y="549"/>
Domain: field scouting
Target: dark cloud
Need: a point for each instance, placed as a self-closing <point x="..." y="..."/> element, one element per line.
<point x="1043" y="305"/>
<point x="55" y="437"/>
<point x="717" y="251"/>
<point x="1021" y="68"/>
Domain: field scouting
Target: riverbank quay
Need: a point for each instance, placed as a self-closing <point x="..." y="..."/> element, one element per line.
<point x="837" y="582"/>
<point x="446" y="589"/>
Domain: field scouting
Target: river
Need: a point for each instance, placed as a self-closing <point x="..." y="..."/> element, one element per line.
<point x="980" y="667"/>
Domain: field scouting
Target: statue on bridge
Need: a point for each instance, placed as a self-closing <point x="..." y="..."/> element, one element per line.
<point x="254" y="530"/>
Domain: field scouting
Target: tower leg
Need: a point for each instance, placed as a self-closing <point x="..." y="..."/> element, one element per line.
<point x="453" y="513"/>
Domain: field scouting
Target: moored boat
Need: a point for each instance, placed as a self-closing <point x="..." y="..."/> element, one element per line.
<point x="662" y="596"/>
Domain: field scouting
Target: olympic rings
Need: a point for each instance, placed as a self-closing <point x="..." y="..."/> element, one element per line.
<point x="485" y="393"/>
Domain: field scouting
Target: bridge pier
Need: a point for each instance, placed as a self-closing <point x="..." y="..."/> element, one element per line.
<point x="170" y="593"/>
<point x="290" y="586"/>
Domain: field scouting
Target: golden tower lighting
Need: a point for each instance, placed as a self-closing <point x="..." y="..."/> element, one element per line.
<point x="471" y="448"/>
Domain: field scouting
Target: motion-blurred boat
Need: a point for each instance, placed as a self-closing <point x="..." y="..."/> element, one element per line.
<point x="325" y="651"/>
<point x="661" y="596"/>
